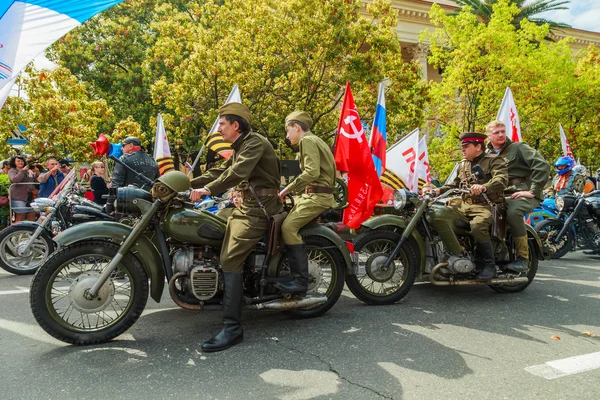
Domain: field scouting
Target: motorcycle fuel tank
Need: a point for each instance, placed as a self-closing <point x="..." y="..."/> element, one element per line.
<point x="439" y="215"/>
<point x="193" y="226"/>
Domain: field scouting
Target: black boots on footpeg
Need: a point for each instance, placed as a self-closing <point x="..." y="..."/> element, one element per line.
<point x="232" y="332"/>
<point x="485" y="252"/>
<point x="298" y="261"/>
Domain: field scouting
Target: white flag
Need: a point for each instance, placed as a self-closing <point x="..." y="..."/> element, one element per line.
<point x="509" y="115"/>
<point x="161" y="144"/>
<point x="566" y="148"/>
<point x="401" y="159"/>
<point x="423" y="174"/>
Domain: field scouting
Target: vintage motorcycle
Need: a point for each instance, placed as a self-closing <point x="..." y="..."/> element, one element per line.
<point x="577" y="221"/>
<point x="96" y="286"/>
<point x="25" y="246"/>
<point x="395" y="250"/>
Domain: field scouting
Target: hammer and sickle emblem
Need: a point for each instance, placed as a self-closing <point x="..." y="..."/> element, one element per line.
<point x="349" y="121"/>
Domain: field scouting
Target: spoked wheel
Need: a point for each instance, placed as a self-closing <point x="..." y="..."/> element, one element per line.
<point x="326" y="271"/>
<point x="375" y="284"/>
<point x="14" y="259"/>
<point x="58" y="291"/>
<point x="552" y="228"/>
<point x="530" y="273"/>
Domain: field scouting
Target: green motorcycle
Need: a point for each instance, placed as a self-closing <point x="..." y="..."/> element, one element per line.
<point x="395" y="250"/>
<point x="96" y="286"/>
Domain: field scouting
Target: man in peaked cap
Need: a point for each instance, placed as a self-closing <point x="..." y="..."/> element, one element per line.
<point x="137" y="159"/>
<point x="492" y="182"/>
<point x="253" y="164"/>
<point x="315" y="187"/>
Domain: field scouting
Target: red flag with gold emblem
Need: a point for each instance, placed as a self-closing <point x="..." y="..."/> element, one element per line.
<point x="353" y="155"/>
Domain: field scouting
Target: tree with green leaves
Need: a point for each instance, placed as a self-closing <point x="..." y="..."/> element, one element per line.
<point x="527" y="10"/>
<point x="480" y="60"/>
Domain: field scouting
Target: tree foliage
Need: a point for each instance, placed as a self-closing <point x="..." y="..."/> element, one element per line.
<point x="60" y="116"/>
<point x="480" y="60"/>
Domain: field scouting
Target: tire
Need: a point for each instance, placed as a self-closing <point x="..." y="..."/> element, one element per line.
<point x="72" y="264"/>
<point x="320" y="249"/>
<point x="374" y="246"/>
<point x="552" y="227"/>
<point x="533" y="267"/>
<point x="17" y="235"/>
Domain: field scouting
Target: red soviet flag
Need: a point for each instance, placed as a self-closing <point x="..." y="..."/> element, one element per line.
<point x="353" y="155"/>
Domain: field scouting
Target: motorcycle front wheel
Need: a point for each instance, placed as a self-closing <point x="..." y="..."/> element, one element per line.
<point x="326" y="272"/>
<point x="532" y="268"/>
<point x="13" y="239"/>
<point x="373" y="284"/>
<point x="57" y="294"/>
<point x="552" y="228"/>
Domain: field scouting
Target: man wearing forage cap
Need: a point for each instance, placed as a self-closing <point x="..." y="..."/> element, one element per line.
<point x="492" y="182"/>
<point x="252" y="164"/>
<point x="315" y="187"/>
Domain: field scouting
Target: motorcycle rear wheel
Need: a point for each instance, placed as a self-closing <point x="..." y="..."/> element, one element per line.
<point x="14" y="236"/>
<point x="533" y="267"/>
<point x="58" y="304"/>
<point x="326" y="268"/>
<point x="552" y="227"/>
<point x="375" y="286"/>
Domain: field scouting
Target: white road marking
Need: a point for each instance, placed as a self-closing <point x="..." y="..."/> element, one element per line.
<point x="566" y="366"/>
<point x="133" y="352"/>
<point x="15" y="291"/>
<point x="352" y="329"/>
<point x="29" y="331"/>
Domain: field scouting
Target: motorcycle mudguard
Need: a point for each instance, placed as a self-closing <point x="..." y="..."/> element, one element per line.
<point x="320" y="230"/>
<point x="531" y="233"/>
<point x="144" y="249"/>
<point x="396" y="224"/>
<point x="34" y="225"/>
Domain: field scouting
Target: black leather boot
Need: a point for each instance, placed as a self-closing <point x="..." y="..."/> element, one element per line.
<point x="232" y="332"/>
<point x="298" y="260"/>
<point x="519" y="265"/>
<point x="485" y="252"/>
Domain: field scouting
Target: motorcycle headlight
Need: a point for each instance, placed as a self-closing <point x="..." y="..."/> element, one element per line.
<point x="559" y="202"/>
<point x="41" y="203"/>
<point x="399" y="199"/>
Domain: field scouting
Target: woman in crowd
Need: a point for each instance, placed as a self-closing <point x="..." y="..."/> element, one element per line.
<point x="98" y="182"/>
<point x="20" y="174"/>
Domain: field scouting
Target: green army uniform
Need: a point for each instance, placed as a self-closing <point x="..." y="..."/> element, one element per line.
<point x="475" y="206"/>
<point x="253" y="163"/>
<point x="314" y="184"/>
<point x="315" y="188"/>
<point x="527" y="170"/>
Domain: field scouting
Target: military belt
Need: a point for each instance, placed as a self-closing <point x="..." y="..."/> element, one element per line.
<point x="318" y="189"/>
<point x="474" y="200"/>
<point x="518" y="181"/>
<point x="260" y="192"/>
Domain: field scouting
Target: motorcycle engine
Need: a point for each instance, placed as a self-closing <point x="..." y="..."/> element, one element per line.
<point x="202" y="270"/>
<point x="460" y="265"/>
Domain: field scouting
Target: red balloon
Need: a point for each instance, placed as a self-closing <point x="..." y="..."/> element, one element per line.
<point x="101" y="146"/>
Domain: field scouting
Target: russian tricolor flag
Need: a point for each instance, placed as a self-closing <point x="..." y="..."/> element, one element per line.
<point x="28" y="27"/>
<point x="378" y="134"/>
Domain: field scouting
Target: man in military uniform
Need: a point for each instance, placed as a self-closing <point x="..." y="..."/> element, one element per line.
<point x="315" y="186"/>
<point x="134" y="157"/>
<point x="253" y="164"/>
<point x="527" y="175"/>
<point x="474" y="205"/>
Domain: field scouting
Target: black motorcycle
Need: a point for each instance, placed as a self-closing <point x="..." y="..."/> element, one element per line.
<point x="578" y="221"/>
<point x="26" y="245"/>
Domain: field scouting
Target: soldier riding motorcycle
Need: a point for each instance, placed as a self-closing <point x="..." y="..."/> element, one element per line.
<point x="97" y="285"/>
<point x="437" y="244"/>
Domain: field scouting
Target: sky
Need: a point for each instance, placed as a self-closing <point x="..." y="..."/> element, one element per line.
<point x="582" y="14"/>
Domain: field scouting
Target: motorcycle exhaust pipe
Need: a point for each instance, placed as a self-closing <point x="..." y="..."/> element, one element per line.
<point x="520" y="279"/>
<point x="176" y="299"/>
<point x="291" y="304"/>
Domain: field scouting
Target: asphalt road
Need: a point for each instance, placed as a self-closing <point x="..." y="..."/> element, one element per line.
<point x="438" y="343"/>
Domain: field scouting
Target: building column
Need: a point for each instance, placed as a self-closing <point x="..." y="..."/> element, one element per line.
<point x="420" y="52"/>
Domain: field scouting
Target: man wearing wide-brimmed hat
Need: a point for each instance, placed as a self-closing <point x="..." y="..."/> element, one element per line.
<point x="253" y="164"/>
